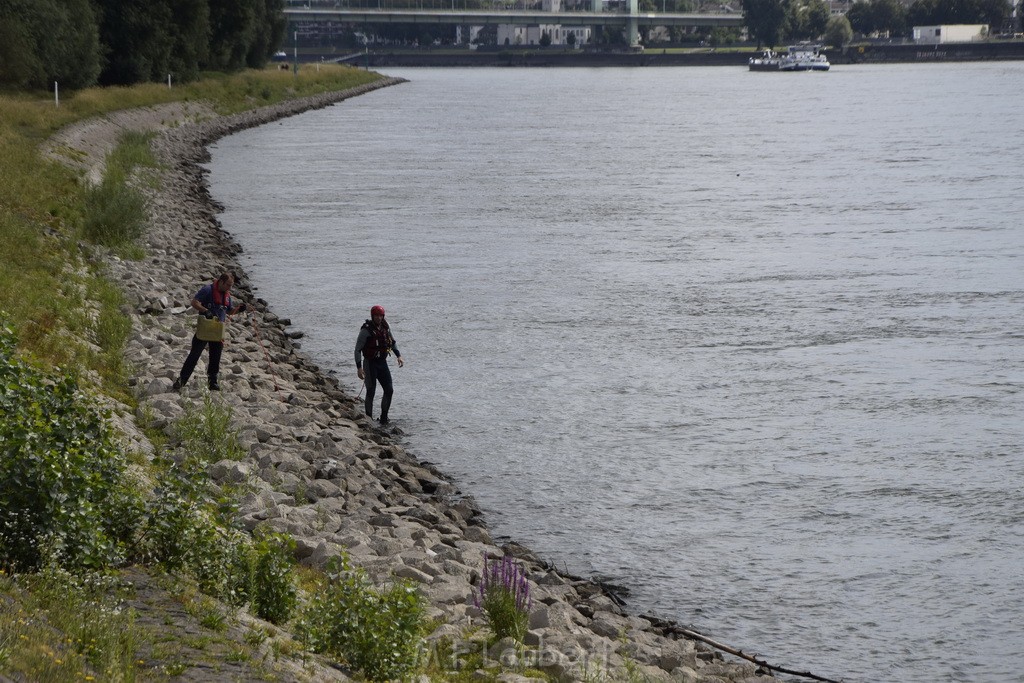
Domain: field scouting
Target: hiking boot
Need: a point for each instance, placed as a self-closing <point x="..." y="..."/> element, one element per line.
<point x="176" y="387"/>
<point x="384" y="419"/>
<point x="214" y="386"/>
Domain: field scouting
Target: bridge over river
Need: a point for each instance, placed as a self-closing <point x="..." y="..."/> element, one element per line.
<point x="630" y="20"/>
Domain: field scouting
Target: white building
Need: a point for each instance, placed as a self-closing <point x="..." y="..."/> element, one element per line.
<point x="950" y="33"/>
<point x="512" y="34"/>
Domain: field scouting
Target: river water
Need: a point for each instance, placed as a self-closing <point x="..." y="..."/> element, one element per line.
<point x="747" y="344"/>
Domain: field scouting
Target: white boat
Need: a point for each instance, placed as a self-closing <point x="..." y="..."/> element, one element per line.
<point x="768" y="61"/>
<point x="797" y="58"/>
<point x="804" y="58"/>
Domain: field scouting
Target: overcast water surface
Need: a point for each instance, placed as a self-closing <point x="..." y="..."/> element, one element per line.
<point x="748" y="344"/>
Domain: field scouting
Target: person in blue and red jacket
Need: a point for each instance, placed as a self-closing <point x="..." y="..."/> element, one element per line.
<point x="373" y="345"/>
<point x="212" y="301"/>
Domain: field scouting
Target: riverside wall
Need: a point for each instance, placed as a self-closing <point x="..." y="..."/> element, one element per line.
<point x="319" y="470"/>
<point x="874" y="53"/>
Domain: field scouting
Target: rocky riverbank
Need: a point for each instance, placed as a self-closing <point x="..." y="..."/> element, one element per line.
<point x="318" y="469"/>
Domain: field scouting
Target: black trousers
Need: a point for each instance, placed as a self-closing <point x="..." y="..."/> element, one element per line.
<point x="377" y="370"/>
<point x="212" y="367"/>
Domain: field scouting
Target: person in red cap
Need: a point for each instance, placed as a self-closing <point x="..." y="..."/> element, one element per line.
<point x="373" y="346"/>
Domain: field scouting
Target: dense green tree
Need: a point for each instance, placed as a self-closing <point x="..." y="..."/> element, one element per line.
<point x="806" y="21"/>
<point x="816" y="18"/>
<point x="861" y="18"/>
<point x="74" y="42"/>
<point x="232" y="32"/>
<point x="190" y="36"/>
<point x="245" y="32"/>
<point x="268" y="34"/>
<point x="838" y="31"/>
<point x="995" y="13"/>
<point x="19" y="64"/>
<point x="922" y="13"/>
<point x="765" y="20"/>
<point x="889" y="16"/>
<point x="721" y="36"/>
<point x="998" y="14"/>
<point x="48" y="40"/>
<point x="878" y="16"/>
<point x="138" y="40"/>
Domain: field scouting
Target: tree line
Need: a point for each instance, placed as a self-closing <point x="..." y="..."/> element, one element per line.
<point x="771" y="22"/>
<point x="79" y="43"/>
<point x="897" y="19"/>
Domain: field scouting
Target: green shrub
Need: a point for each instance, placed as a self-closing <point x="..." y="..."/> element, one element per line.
<point x="184" y="531"/>
<point x="378" y="632"/>
<point x="274" y="595"/>
<point x="63" y="490"/>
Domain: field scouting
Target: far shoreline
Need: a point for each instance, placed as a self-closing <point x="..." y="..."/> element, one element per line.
<point x="655" y="56"/>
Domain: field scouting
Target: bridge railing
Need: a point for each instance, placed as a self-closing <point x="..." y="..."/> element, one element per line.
<point x="567" y="6"/>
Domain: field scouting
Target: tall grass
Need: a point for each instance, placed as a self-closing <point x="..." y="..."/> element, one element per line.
<point x="45" y="209"/>
<point x="55" y="627"/>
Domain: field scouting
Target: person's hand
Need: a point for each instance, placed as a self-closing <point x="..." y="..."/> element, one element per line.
<point x="208" y="314"/>
<point x="362" y="375"/>
<point x="400" y="361"/>
<point x="242" y="308"/>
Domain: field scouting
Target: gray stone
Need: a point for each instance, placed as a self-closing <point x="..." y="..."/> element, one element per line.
<point x="230" y="471"/>
<point x="413" y="574"/>
<point x="609" y="625"/>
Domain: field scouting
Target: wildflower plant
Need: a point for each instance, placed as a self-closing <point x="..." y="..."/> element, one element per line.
<point x="504" y="597"/>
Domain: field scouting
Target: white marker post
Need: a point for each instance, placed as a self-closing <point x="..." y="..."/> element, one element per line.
<point x="168" y="81"/>
<point x="56" y="95"/>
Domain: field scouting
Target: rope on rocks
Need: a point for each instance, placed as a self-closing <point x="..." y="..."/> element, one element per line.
<point x="259" y="340"/>
<point x="693" y="635"/>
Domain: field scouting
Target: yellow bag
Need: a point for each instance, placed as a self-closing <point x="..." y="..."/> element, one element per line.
<point x="210" y="329"/>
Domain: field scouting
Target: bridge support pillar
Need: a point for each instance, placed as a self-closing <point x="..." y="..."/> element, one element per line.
<point x="596" y="31"/>
<point x="632" y="31"/>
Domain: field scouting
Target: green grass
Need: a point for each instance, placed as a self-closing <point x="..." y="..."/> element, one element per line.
<point x="44" y="207"/>
<point x="57" y="628"/>
<point x="65" y="313"/>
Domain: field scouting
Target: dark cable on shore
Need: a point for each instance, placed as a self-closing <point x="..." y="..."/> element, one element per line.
<point x="694" y="635"/>
<point x="752" y="658"/>
<point x="270" y="363"/>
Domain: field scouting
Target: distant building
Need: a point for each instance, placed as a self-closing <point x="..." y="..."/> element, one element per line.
<point x="514" y="34"/>
<point x="950" y="33"/>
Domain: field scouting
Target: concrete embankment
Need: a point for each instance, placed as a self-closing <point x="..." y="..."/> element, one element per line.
<point x="873" y="53"/>
<point x="319" y="470"/>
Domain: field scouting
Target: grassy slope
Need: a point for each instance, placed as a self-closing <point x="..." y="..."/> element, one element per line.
<point x="42" y="289"/>
<point x="65" y="314"/>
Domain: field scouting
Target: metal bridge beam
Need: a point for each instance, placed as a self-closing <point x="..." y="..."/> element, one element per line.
<point x="411" y="16"/>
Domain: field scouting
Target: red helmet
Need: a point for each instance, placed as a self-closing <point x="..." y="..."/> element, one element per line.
<point x="377" y="310"/>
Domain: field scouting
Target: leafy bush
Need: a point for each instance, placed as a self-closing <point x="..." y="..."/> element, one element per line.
<point x="63" y="490"/>
<point x="505" y="597"/>
<point x="274" y="595"/>
<point x="378" y="632"/>
<point x="185" y="529"/>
